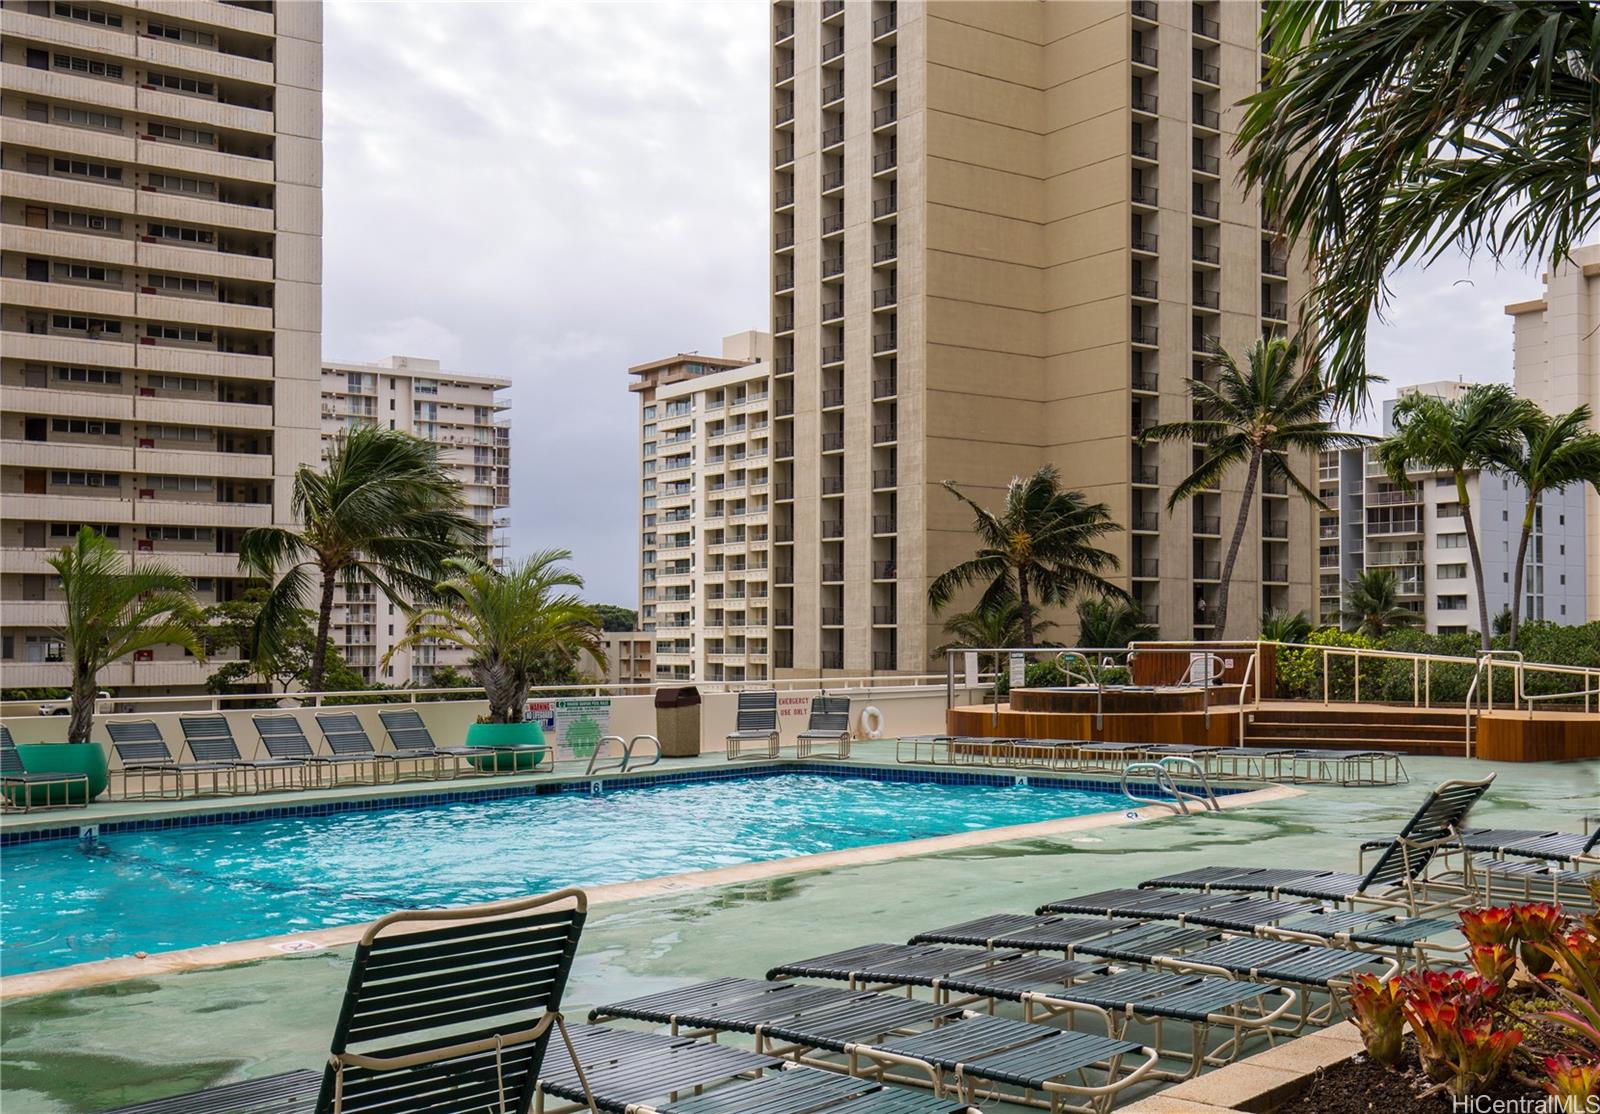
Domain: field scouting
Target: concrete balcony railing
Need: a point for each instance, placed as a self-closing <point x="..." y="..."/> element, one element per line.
<point x="205" y="112"/>
<point x="190" y="462"/>
<point x="63" y="454"/>
<point x="64" y="297"/>
<point x="213" y="12"/>
<point x="203" y="362"/>
<point x="204" y="162"/>
<point x="63" y="85"/>
<point x="184" y="209"/>
<point x="202" y="260"/>
<point x="227" y="415"/>
<point x="162" y="54"/>
<point x="85" y="508"/>
<point x="98" y="196"/>
<point x="89" y="247"/>
<point x="34" y="613"/>
<point x="174" y="512"/>
<point x="66" y="403"/>
<point x="204" y="312"/>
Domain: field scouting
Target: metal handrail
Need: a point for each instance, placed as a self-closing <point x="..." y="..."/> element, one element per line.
<point x="625" y="755"/>
<point x="1091" y="676"/>
<point x="1163" y="780"/>
<point x="1210" y="798"/>
<point x="1483" y="661"/>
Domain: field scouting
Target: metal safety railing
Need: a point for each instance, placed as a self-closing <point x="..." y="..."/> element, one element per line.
<point x="1160" y="773"/>
<point x="600" y="762"/>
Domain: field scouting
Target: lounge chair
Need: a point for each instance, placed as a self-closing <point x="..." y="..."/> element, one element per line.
<point x="446" y="1010"/>
<point x="637" y="1072"/>
<point x="283" y="737"/>
<point x="1559" y="847"/>
<point x="143" y="752"/>
<point x="1046" y="987"/>
<point x="828" y="727"/>
<point x="210" y="739"/>
<point x="346" y="738"/>
<point x="1395" y="878"/>
<point x="755" y="721"/>
<point x="17" y="784"/>
<point x="898" y="1039"/>
<point x="410" y="737"/>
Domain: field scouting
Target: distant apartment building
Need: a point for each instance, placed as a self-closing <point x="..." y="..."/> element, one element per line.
<point x="1556" y="354"/>
<point x="1419" y="534"/>
<point x="705" y="506"/>
<point x="160" y="297"/>
<point x="462" y="415"/>
<point x="1007" y="234"/>
<point x="630" y="659"/>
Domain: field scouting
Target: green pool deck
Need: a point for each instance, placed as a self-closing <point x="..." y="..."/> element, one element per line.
<point x="103" y="1046"/>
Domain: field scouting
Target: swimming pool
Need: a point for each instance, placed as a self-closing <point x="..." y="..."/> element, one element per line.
<point x="66" y="901"/>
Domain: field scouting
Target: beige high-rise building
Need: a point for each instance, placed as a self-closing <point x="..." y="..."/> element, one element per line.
<point x="460" y="413"/>
<point x="160" y="295"/>
<point x="705" y="510"/>
<point x="1005" y="234"/>
<point x="1556" y="353"/>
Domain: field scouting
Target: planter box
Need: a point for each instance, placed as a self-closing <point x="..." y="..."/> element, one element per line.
<point x="1261" y="1083"/>
<point x="517" y="746"/>
<point x="88" y="759"/>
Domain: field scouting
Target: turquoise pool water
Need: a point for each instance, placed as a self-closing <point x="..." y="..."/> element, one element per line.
<point x="71" y="901"/>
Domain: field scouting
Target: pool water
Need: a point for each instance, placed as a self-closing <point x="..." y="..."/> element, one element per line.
<point x="71" y="901"/>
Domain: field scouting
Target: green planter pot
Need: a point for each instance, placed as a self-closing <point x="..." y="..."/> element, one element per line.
<point x="527" y="738"/>
<point x="88" y="759"/>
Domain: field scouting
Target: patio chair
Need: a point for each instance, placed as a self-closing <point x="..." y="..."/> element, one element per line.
<point x="639" y="1072"/>
<point x="1555" y="846"/>
<point x="828" y="727"/>
<point x="143" y="752"/>
<point x="210" y="739"/>
<point x="410" y="736"/>
<point x="283" y="737"/>
<point x="446" y="1010"/>
<point x="1394" y="878"/>
<point x="17" y="784"/>
<point x="755" y="721"/>
<point x="897" y="1039"/>
<point x="347" y="738"/>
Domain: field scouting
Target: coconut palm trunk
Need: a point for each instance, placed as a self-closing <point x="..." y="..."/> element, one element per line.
<point x="319" y="654"/>
<point x="1485" y="633"/>
<point x="84" y="689"/>
<point x="1226" y="581"/>
<point x="1026" y="607"/>
<point x="1528" y="514"/>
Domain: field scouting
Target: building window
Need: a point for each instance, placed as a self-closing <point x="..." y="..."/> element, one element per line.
<point x="1448" y="510"/>
<point x="181" y="84"/>
<point x="179" y="433"/>
<point x="1452" y="541"/>
<point x="183" y="284"/>
<point x="84" y="118"/>
<point x="87" y="65"/>
<point x="1451" y="572"/>
<point x="87" y="272"/>
<point x="88" y="15"/>
<point x="1450" y="603"/>
<point x="178" y="232"/>
<point x="173" y="183"/>
<point x="180" y="34"/>
<point x="81" y="425"/>
<point x="179" y="383"/>
<point x="181" y="483"/>
<point x="93" y="222"/>
<point x="85" y="479"/>
<point x="91" y="326"/>
<point x="185" y="333"/>
<point x="179" y="533"/>
<point x="194" y="137"/>
<point x="79" y="168"/>
<point x="70" y="530"/>
<point x="87" y="375"/>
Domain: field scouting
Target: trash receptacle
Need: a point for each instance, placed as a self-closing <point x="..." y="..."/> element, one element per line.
<point x="678" y="721"/>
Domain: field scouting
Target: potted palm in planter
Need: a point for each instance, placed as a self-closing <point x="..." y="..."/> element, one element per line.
<point x="514" y="623"/>
<point x="113" y="610"/>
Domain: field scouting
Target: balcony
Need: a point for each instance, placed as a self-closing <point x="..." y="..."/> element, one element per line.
<point x="832" y="485"/>
<point x="831" y="574"/>
<point x="833" y="48"/>
<point x="883" y="342"/>
<point x="833" y="398"/>
<point x="783" y="239"/>
<point x="832" y="136"/>
<point x="783" y="450"/>
<point x="1277" y="529"/>
<point x="783" y="72"/>
<point x="832" y="529"/>
<point x="1145" y="149"/>
<point x="885" y="433"/>
<point x="833" y="266"/>
<point x="1146" y="243"/>
<point x="1145" y="381"/>
<point x="884" y="477"/>
<point x="885" y="160"/>
<point x="784" y="365"/>
<point x="783" y="156"/>
<point x="1147" y="569"/>
<point x="832" y="659"/>
<point x="783" y="323"/>
<point x="831" y="8"/>
<point x="1206" y="253"/>
<point x="1275" y="311"/>
<point x="1274" y="264"/>
<point x="1210" y="210"/>
<point x="1207" y="73"/>
<point x="1144" y="195"/>
<point x="1276" y="574"/>
<point x="783" y="198"/>
<point x="884" y="24"/>
<point x="1208" y="164"/>
<point x="783" y="281"/>
<point x="885" y="206"/>
<point x="832" y="311"/>
<point x="1144" y="103"/>
<point x="832" y="354"/>
<point x="832" y="92"/>
<point x="884" y="116"/>
<point x="1207" y="28"/>
<point x="884" y="251"/>
<point x="833" y="442"/>
<point x="832" y="223"/>
<point x="1146" y="522"/>
<point x="1144" y="289"/>
<point x="782" y="29"/>
<point x="883" y="524"/>
<point x="888" y="296"/>
<point x="883" y="570"/>
<point x="1144" y="56"/>
<point x="783" y="115"/>
<point x="1144" y="336"/>
<point x="884" y="388"/>
<point x="884" y="615"/>
<point x="1145" y="475"/>
<point x="1144" y="9"/>
<point x="1207" y="118"/>
<point x="884" y="70"/>
<point x="1208" y="525"/>
<point x="1207" y="299"/>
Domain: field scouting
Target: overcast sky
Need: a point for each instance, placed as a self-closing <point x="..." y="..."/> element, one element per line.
<point x="553" y="191"/>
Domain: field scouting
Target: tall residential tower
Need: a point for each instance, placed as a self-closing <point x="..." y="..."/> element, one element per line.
<point x="1005" y="234"/>
<point x="160" y="295"/>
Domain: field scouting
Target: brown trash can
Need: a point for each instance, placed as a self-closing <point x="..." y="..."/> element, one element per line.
<point x="678" y="721"/>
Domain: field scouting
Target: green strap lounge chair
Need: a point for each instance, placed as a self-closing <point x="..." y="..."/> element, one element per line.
<point x="755" y="726"/>
<point x="346" y="738"/>
<point x="1396" y="877"/>
<point x="143" y="752"/>
<point x="17" y="785"/>
<point x="827" y="733"/>
<point x="410" y="736"/>
<point x="283" y="737"/>
<point x="210" y="740"/>
<point x="448" y="1011"/>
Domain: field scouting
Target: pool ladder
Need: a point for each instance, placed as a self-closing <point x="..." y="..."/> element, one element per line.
<point x="600" y="762"/>
<point x="1161" y="773"/>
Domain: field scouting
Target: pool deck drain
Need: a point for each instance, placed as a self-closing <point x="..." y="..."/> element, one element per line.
<point x="104" y="971"/>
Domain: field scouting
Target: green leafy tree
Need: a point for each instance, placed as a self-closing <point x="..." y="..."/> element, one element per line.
<point x="1372" y="604"/>
<point x="115" y="609"/>
<point x="1110" y="622"/>
<point x="1000" y="625"/>
<point x="1257" y="416"/>
<point x="519" y="625"/>
<point x="1466" y="434"/>
<point x="1038" y="549"/>
<point x="1388" y="132"/>
<point x="616" y="618"/>
<point x="1550" y="453"/>
<point x="1289" y="627"/>
<point x="231" y="626"/>
<point x="381" y="509"/>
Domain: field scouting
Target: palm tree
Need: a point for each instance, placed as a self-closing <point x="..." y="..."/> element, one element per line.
<point x="1391" y="131"/>
<point x="1255" y="416"/>
<point x="1372" y="603"/>
<point x="1108" y="623"/>
<point x="511" y="623"/>
<point x="382" y="509"/>
<point x="115" y="609"/>
<point x="1463" y="435"/>
<point x="1550" y="454"/>
<point x="1289" y="627"/>
<point x="998" y="626"/>
<point x="1039" y="547"/>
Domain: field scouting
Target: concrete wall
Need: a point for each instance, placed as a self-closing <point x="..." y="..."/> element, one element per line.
<point x="906" y="711"/>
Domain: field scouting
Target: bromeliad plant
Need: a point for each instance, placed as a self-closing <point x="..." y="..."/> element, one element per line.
<point x="1378" y="1008"/>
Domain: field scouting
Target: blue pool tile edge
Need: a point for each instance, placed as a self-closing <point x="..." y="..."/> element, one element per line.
<point x="581" y="784"/>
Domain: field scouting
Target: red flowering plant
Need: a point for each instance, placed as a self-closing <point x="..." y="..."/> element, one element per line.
<point x="1486" y="927"/>
<point x="1494" y="963"/>
<point x="1537" y="925"/>
<point x="1377" y="1006"/>
<point x="1457" y="1043"/>
<point x="1572" y="1084"/>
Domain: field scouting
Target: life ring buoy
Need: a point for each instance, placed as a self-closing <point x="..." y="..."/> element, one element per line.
<point x="871" y="722"/>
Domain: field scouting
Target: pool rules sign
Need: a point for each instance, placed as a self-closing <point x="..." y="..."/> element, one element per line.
<point x="575" y="725"/>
